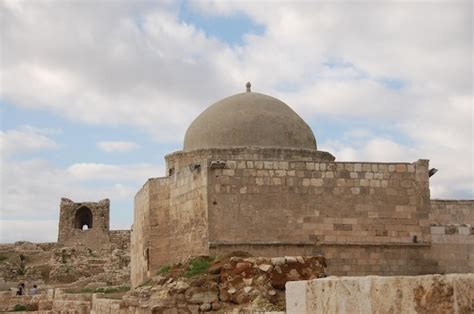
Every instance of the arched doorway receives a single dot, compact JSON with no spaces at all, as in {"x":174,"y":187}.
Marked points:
{"x":83,"y":218}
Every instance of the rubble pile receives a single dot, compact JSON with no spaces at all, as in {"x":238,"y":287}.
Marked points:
{"x":55,"y":265}
{"x":226,"y":284}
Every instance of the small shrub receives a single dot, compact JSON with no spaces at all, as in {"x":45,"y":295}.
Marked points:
{"x":146,"y":283}
{"x":164,"y":270}
{"x":19,"y":307}
{"x":3,"y":258}
{"x":84,"y":290}
{"x":198,"y":266}
{"x":117,"y":289}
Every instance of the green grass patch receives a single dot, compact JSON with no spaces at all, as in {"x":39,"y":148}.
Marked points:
{"x":164,"y":270}
{"x":198,"y":266}
{"x":105,"y":290}
{"x":3,"y":258}
{"x":146,"y":283}
{"x":83,"y":290}
{"x":19,"y":307}
{"x":113,"y":289}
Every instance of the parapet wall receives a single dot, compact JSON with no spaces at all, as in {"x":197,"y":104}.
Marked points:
{"x":403,"y":294}
{"x":446,"y":212}
{"x":180,"y":159}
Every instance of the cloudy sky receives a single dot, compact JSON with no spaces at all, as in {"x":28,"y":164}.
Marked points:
{"x":93,"y":94}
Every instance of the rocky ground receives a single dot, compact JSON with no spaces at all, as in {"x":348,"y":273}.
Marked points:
{"x":52,"y":265}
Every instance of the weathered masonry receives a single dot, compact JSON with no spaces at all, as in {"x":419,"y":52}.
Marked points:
{"x":250,"y":178}
{"x":88,"y":223}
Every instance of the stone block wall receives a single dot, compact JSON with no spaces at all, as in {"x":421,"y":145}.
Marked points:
{"x":120,"y":239}
{"x":452,"y":247}
{"x":445,"y":212}
{"x":170,"y":221}
{"x":73,"y":216}
{"x":179,"y":160}
{"x":365,"y":218}
{"x":160,"y":241}
{"x":384,"y":260}
{"x":452,"y":235}
{"x":140,"y":234}
{"x":319,"y":202}
{"x":188,"y":223}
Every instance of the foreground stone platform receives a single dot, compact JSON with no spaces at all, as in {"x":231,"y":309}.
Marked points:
{"x":453,"y":293}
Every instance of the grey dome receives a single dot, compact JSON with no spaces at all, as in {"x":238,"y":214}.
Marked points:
{"x":248,"y":120}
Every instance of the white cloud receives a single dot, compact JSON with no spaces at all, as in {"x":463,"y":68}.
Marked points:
{"x":404,"y":64}
{"x":377,"y":149}
{"x":95,"y":171}
{"x":25,"y":139}
{"x":36,"y":186}
{"x":111,"y":63}
{"x":117,"y":146}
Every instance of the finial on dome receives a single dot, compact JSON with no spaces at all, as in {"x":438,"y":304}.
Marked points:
{"x":248,"y":85}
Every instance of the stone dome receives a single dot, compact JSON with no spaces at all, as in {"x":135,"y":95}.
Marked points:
{"x":249,"y":120}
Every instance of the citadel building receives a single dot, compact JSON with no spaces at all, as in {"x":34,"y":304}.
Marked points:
{"x":250,"y":178}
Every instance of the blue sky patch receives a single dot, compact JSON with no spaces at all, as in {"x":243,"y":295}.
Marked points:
{"x":229,"y":29}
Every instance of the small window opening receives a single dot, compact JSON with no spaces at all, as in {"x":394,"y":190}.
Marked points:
{"x":83,"y":219}
{"x":147,"y":256}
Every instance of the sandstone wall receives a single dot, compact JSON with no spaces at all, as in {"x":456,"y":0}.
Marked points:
{"x":452,"y":235}
{"x":139,"y":237}
{"x":70,"y":232}
{"x":372,"y":294}
{"x":170,"y":221}
{"x":342,"y":203}
{"x":448,"y":212}
{"x":120,"y":239}
{"x":453,"y":248}
{"x":188,"y":217}
{"x":323,"y":208}
{"x":160,"y":242}
{"x":179,"y":160}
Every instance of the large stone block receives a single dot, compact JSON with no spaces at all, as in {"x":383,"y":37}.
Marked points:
{"x":373,"y":294}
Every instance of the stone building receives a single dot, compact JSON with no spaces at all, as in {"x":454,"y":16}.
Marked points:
{"x":250,"y":178}
{"x":88,"y":223}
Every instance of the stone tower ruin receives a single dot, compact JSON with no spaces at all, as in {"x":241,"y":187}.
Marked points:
{"x":86,"y":222}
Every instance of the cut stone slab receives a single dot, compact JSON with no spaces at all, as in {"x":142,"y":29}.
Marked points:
{"x":375,"y":294}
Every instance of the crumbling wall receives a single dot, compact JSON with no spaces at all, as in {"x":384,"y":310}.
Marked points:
{"x":120,"y":239}
{"x":73,"y":216}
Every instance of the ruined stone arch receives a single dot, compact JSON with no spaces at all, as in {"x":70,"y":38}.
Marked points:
{"x":83,"y":218}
